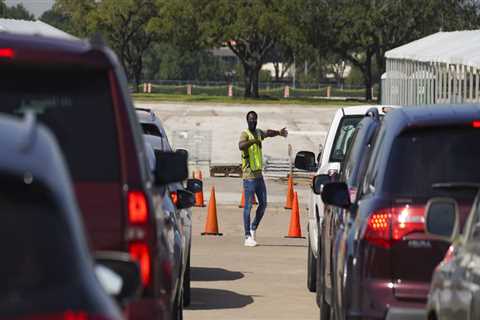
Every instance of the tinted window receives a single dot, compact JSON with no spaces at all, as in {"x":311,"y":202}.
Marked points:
{"x":421,"y":158}
{"x":151,"y":129}
{"x":343,"y":137}
{"x":35,"y":247}
{"x":77,"y":106}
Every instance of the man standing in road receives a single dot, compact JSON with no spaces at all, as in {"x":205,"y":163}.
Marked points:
{"x":252,"y":164}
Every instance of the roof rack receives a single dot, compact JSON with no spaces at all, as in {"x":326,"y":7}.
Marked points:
{"x":27,"y":141}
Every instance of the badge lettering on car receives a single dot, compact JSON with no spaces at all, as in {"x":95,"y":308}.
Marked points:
{"x":417,"y":244}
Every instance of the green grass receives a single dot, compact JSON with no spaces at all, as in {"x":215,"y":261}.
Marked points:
{"x":159,"y":97}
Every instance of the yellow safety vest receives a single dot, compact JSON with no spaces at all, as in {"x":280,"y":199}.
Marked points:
{"x":253,"y":155}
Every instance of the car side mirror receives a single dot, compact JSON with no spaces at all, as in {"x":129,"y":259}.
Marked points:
{"x":305,"y":160}
{"x":442,"y":218}
{"x":185,"y":152}
{"x":194,"y":185}
{"x":119,"y":275}
{"x":186,"y":199}
{"x":319,"y":181}
{"x":336,"y":194}
{"x":170,"y":167}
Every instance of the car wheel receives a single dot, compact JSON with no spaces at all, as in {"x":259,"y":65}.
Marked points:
{"x":322,"y":304}
{"x":311,"y":269}
{"x":186,"y":284}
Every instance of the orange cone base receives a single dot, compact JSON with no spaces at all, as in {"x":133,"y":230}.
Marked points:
{"x":212,"y":234}
{"x":291,"y":237}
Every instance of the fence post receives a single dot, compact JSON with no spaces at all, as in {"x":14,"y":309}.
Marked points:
{"x":230,"y":90}
{"x":144,"y":87}
{"x":149,"y":88}
{"x":286,"y":92}
{"x":329,"y":91}
{"x":189,"y":89}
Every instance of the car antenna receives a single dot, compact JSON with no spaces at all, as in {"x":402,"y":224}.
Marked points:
{"x":27,"y":141}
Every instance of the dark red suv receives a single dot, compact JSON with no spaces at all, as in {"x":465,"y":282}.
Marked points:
{"x":390,"y":259}
{"x":78,"y":89}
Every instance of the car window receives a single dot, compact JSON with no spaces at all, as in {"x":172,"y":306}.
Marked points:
{"x":36,"y":250}
{"x":368,"y":184}
{"x":422,"y":157}
{"x":77,"y":106}
{"x":343,"y":137}
{"x":151,"y":129}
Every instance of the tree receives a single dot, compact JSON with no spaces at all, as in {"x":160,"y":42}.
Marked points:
{"x":361,"y":31}
{"x":15,"y":12}
{"x":249,"y":28}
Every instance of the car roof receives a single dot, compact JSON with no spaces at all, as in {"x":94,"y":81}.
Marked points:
{"x":146,"y":115}
{"x":433,"y":115}
{"x":54,"y":51}
{"x":362,"y":109}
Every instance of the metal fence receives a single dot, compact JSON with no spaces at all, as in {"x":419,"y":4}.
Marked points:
{"x":198,"y":143}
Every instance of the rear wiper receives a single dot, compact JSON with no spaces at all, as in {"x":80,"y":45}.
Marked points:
{"x":456,"y":185}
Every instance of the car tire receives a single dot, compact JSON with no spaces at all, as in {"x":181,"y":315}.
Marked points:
{"x":322,"y":304}
{"x":311,"y":269}
{"x":186,"y":284}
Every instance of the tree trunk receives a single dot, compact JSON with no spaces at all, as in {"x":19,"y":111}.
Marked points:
{"x":248,"y":80}
{"x":276,"y":66}
{"x":367,"y":74}
{"x":255,"y":78}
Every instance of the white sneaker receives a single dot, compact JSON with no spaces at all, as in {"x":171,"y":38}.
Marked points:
{"x":249,"y":242}
{"x":252,"y":233}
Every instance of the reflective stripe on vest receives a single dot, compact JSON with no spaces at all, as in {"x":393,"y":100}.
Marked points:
{"x":254,"y":155}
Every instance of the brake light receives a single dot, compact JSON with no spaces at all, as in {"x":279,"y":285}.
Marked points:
{"x":7,"y":53}
{"x":137,"y":207}
{"x":67,"y":315}
{"x":476,"y":124}
{"x":174,"y":197}
{"x":387,"y":226}
{"x":140,"y":253}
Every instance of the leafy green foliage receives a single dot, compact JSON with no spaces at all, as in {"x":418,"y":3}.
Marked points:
{"x":15,"y":12}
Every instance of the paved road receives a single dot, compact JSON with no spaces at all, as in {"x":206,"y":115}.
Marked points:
{"x":230,"y":281}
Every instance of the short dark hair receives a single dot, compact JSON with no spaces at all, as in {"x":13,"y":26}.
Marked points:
{"x":252,"y":112}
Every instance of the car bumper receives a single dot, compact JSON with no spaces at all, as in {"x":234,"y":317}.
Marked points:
{"x":147,"y":309}
{"x":406,"y":314}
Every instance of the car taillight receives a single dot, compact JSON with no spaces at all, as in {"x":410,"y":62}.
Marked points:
{"x":174,"y":197}
{"x":66,"y":315}
{"x":137,"y":207}
{"x":386,"y":226}
{"x":140,"y":253}
{"x":7,"y":53}
{"x":476,"y":124}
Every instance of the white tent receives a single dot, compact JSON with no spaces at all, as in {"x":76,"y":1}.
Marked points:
{"x":440,"y":68}
{"x":34,"y":28}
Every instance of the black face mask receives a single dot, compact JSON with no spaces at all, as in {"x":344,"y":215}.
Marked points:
{"x":252,"y":125}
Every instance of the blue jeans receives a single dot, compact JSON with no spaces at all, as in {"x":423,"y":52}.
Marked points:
{"x":251,"y":187}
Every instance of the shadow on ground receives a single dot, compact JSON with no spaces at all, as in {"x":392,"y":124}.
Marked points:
{"x":209,"y":299}
{"x":214,"y":274}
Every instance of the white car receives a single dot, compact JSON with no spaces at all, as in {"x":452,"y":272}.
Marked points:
{"x":154,"y":134}
{"x":329,"y":160}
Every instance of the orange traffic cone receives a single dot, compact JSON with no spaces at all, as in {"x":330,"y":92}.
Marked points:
{"x":211,"y":225}
{"x":199,"y":202}
{"x":289,"y":200}
{"x":242,"y":202}
{"x":294,"y":230}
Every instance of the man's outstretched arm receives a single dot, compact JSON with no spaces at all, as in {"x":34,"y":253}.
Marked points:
{"x":273,"y":133}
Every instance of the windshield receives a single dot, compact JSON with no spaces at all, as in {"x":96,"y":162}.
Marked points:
{"x":343,"y":137}
{"x":423,"y":157}
{"x":77,"y":106}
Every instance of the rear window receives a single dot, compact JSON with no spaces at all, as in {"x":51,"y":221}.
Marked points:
{"x":421,"y":158}
{"x":36,"y":250}
{"x":151,"y":129}
{"x":76,"y":105}
{"x":343,"y":137}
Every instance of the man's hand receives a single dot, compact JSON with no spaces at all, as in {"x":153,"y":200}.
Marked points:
{"x":284,"y":132}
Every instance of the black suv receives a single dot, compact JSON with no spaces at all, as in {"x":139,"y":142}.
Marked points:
{"x":47,"y":271}
{"x":417,"y":149}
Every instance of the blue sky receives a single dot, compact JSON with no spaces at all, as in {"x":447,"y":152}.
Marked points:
{"x":37,"y":7}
